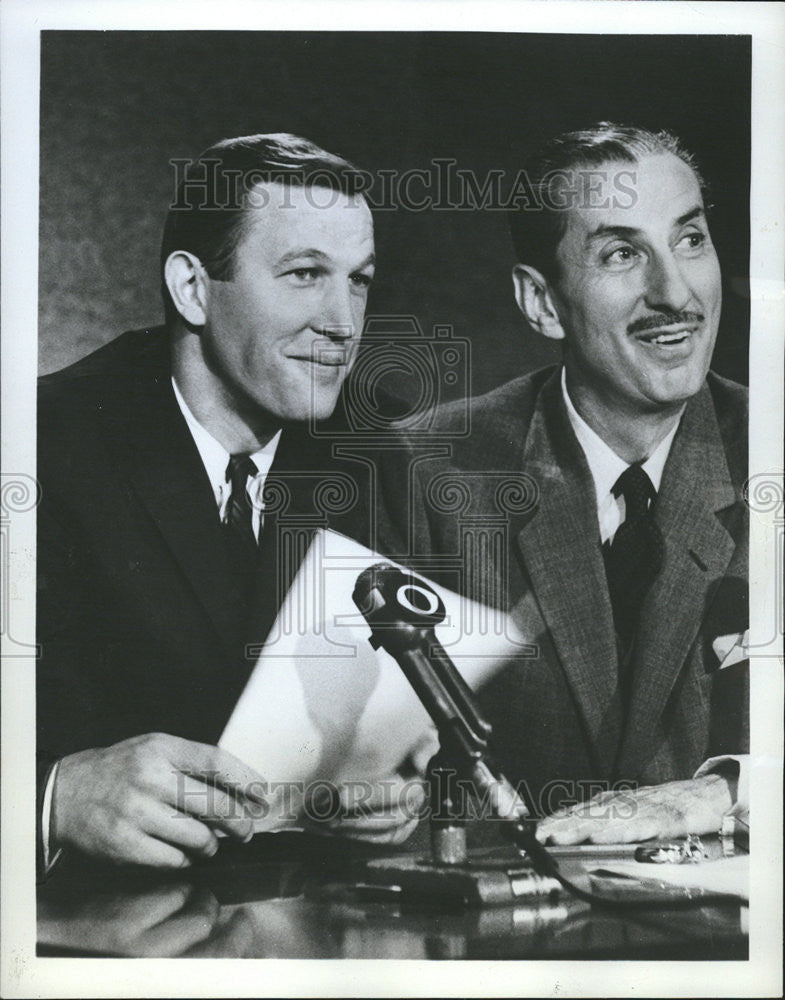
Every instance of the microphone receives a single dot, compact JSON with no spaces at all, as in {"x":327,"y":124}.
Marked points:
{"x":402,"y":611}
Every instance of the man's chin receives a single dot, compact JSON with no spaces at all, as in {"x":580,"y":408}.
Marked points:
{"x":671,"y":393}
{"x":674,"y":382}
{"x":317,"y":410}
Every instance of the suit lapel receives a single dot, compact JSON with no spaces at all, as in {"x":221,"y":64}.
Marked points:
{"x":560,"y":546}
{"x":166,"y":474}
{"x":695,"y":488}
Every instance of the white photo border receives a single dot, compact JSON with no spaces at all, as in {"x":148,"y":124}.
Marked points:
{"x":24,"y":974}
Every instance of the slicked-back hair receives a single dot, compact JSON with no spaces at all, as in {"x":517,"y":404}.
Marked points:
{"x":537,"y":229}
{"x":215,"y":197}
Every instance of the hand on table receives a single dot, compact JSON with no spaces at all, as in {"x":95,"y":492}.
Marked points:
{"x":384,"y":811}
{"x":673,"y":809}
{"x":378,"y":812}
{"x":388,"y":816}
{"x":154,"y":800}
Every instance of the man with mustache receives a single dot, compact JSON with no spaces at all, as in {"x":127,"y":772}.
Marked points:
{"x":630,"y":570}
{"x":156,"y":578}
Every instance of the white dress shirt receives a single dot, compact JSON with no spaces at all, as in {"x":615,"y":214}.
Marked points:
{"x":215,"y":459}
{"x":606,"y":466}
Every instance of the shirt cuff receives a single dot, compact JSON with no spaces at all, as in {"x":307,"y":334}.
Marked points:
{"x":50,"y":859}
{"x":741,"y":807}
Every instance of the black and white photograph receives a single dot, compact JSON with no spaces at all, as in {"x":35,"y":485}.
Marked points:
{"x":392,"y":499}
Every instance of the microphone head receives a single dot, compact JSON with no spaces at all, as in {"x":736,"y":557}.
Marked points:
{"x":390,"y":597}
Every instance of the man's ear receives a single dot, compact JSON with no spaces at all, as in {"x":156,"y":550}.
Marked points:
{"x":535,"y":301}
{"x":187,"y":280}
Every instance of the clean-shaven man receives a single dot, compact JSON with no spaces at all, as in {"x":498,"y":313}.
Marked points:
{"x":155,"y":571}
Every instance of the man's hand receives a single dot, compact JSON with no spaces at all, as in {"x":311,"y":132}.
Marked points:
{"x":673,"y":809}
{"x":378,"y":812}
{"x":154,"y":800}
{"x":384,"y":811}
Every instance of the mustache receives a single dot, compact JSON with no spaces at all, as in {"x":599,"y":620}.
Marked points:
{"x":663,"y":319}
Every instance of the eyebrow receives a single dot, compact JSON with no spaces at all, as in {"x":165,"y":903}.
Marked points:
{"x":320,"y":255}
{"x":603,"y":230}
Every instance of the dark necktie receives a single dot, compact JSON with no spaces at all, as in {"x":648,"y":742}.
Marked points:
{"x":634,"y":558}
{"x":239,"y":511}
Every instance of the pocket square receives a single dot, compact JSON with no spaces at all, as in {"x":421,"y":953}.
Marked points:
{"x":732,"y":648}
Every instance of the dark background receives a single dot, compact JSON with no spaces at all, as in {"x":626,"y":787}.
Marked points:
{"x":117,"y":106}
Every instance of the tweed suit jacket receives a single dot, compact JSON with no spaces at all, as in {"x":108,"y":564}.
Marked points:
{"x":561,"y":729}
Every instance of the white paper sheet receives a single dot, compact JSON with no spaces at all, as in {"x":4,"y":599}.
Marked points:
{"x":729,"y":876}
{"x":321,"y":704}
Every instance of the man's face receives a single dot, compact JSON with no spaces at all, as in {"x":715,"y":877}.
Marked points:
{"x":638,"y":290}
{"x":282,"y":334}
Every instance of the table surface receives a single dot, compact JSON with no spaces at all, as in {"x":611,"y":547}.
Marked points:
{"x":301,"y":896}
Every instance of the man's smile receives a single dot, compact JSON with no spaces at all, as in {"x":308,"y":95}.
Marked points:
{"x":669,"y":336}
{"x":326,"y":355}
{"x":326,"y":361}
{"x":673,"y":344}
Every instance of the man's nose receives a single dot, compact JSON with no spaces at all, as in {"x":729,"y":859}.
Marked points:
{"x":666,"y":285}
{"x":336,"y":319}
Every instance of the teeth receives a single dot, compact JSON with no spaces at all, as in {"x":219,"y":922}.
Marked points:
{"x":668,"y":338}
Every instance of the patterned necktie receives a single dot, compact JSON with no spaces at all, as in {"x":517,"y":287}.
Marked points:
{"x":634,"y":558}
{"x":239,"y":510}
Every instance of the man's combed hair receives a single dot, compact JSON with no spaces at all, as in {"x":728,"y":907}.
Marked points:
{"x":537,"y":230}
{"x":215,"y":196}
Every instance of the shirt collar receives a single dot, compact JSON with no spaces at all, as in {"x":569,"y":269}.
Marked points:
{"x":604,"y":464}
{"x":215,"y":457}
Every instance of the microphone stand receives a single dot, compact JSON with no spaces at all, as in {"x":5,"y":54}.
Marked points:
{"x":464,"y":757}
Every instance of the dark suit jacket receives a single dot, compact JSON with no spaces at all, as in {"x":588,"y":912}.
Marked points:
{"x":142,"y":623}
{"x":558,"y":717}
